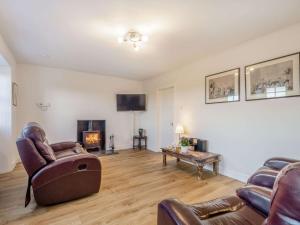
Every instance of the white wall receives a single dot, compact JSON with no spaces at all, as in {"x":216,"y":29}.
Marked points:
{"x":74,"y":96}
{"x":8,"y":152}
{"x":245,"y":133}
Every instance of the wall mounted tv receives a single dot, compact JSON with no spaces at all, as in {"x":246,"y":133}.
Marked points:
{"x":131,"y":102}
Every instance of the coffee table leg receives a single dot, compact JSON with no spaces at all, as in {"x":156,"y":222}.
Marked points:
{"x":216,"y":167}
{"x":164,"y":159}
{"x":178,"y":160}
{"x":200,"y":171}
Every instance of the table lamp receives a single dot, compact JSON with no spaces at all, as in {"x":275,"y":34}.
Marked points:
{"x":179,"y":130}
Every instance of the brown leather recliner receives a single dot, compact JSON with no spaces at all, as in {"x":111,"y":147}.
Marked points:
{"x":250,"y":207}
{"x":58,"y":172}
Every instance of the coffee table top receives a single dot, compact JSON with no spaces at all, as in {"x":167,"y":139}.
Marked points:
{"x":191,"y":155}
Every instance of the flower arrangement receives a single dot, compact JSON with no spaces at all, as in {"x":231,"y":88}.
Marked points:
{"x":184,"y":142}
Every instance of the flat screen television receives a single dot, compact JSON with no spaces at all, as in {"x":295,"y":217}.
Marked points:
{"x":131,"y":102}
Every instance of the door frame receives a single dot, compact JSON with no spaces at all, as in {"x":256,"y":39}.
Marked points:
{"x":158,"y":125}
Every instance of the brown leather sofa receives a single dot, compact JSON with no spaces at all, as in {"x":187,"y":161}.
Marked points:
{"x":266,"y":175}
{"x":57,"y":172}
{"x":253,"y":205}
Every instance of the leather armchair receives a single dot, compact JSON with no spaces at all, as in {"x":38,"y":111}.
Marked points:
{"x":266,"y":175}
{"x":253,"y":205}
{"x":59,"y":172}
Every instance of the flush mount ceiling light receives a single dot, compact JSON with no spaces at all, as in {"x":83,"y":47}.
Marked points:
{"x":135,"y":38}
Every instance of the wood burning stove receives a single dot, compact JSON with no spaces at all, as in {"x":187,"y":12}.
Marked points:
{"x":91,"y":134}
{"x":91,"y":139}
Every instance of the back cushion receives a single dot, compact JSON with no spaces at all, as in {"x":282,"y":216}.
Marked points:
{"x":46,"y":151}
{"x":35,"y":132}
{"x":258,"y":197}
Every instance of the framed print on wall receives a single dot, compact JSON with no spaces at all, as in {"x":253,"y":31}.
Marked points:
{"x":275,"y":78}
{"x":223,"y":87}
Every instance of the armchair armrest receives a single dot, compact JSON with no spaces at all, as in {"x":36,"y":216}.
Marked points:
{"x":63,"y":145}
{"x":257,"y":197}
{"x":64,"y":167}
{"x":278,"y":163}
{"x":217,"y":206}
{"x":173,"y":212}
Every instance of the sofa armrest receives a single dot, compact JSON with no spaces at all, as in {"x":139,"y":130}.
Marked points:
{"x":63,"y":146}
{"x":257,"y":197}
{"x":64,"y":167}
{"x":278,"y":163}
{"x":263,"y":178}
{"x":217,"y":206}
{"x":173,"y":212}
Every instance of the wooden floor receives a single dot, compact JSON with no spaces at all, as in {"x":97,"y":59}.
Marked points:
{"x":133,"y":183}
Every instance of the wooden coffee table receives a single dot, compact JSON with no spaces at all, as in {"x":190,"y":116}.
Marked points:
{"x":199,"y":159}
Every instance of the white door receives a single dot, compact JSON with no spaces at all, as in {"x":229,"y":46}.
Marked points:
{"x":166,"y":117}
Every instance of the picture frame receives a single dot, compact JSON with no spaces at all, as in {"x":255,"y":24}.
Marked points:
{"x":14,"y":94}
{"x":223,"y":87}
{"x":274,"y":78}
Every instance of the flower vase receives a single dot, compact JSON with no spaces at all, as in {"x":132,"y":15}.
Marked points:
{"x":184,"y":149}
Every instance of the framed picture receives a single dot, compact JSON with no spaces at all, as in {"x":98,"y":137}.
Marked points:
{"x":223,"y":87}
{"x":275,"y":78}
{"x":14,"y":94}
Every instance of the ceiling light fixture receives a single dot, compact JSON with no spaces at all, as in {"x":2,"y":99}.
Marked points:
{"x":135,"y":38}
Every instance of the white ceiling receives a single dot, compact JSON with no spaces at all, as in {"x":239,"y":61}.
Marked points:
{"x":82,"y":35}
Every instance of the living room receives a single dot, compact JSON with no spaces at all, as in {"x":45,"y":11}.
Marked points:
{"x":151,"y":77}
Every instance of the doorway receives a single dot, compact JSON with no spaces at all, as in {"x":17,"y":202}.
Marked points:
{"x":166,"y":117}
{"x":6,"y":155}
